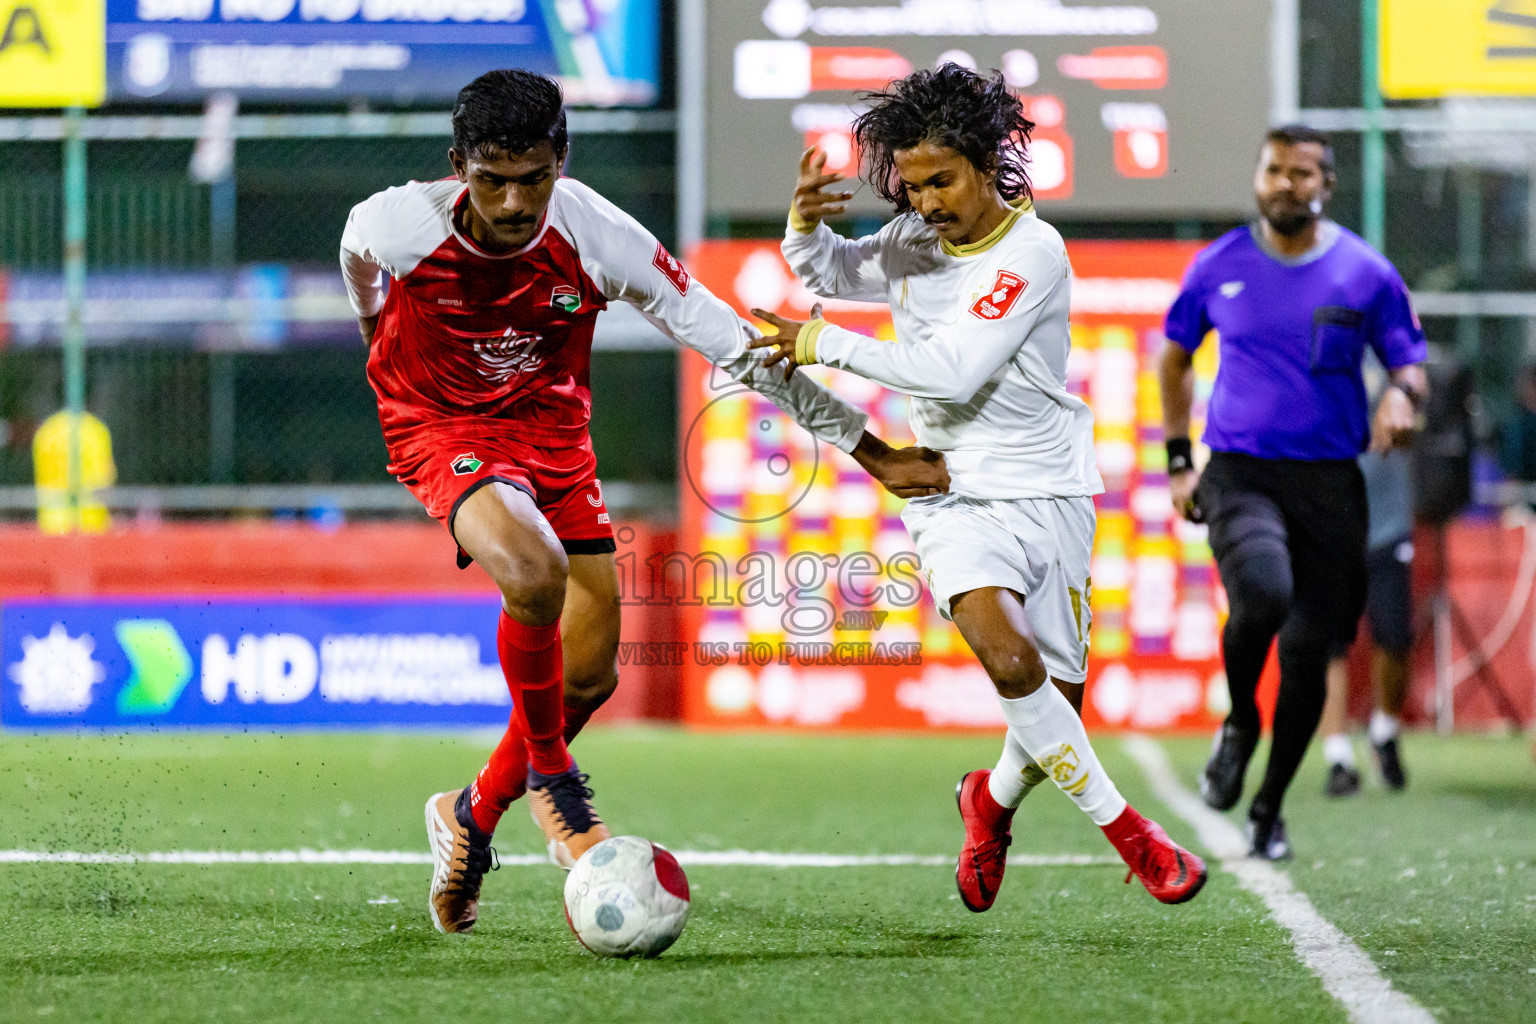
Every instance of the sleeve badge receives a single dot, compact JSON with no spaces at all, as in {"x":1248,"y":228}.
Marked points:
{"x":996,"y":303}
{"x":671,"y":269}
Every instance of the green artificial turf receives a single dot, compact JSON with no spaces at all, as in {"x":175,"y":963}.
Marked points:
{"x":1437,"y":883}
{"x":148,"y":942}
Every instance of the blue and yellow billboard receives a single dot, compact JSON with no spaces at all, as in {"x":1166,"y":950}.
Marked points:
{"x":392,"y":51}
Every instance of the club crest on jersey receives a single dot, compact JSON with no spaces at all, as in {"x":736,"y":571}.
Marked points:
{"x":671,"y":269}
{"x":1005,"y":292}
{"x":509,"y":355}
{"x":466,"y":464}
{"x":566,"y":298}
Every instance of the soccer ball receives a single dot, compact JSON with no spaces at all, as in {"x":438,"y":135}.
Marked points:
{"x":626,"y":897}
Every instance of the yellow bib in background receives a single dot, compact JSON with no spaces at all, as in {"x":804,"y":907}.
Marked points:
{"x":50,"y":460}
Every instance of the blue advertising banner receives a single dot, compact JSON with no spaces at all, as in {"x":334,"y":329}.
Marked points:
{"x":605,"y":52}
{"x":216,"y":663}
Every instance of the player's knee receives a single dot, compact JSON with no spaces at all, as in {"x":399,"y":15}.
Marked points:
{"x":532,"y":583}
{"x":1262,"y":593}
{"x":591,"y":690}
{"x":1014,"y":666}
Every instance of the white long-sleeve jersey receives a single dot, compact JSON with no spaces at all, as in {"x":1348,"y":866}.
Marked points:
{"x":470,"y":339}
{"x":982,"y":338}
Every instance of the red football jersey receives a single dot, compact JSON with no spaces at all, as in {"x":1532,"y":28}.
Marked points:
{"x":468,"y":340}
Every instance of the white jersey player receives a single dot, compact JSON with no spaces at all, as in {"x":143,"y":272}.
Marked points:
{"x":979,"y":289}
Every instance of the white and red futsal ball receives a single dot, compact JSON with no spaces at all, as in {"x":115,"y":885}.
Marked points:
{"x":627,"y":897}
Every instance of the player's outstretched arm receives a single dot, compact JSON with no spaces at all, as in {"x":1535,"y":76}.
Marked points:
{"x":949,"y":366}
{"x":828,"y":264}
{"x":981,"y":334}
{"x":627,"y":263}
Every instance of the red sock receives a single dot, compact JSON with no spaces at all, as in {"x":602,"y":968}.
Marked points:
{"x":530,"y":659}
{"x":503,"y":779}
{"x":575,"y":719}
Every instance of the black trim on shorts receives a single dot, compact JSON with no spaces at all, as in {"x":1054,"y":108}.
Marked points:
{"x":592,"y":546}
{"x":464,"y":559}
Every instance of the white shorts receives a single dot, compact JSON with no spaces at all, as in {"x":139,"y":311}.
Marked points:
{"x":1040,"y":548}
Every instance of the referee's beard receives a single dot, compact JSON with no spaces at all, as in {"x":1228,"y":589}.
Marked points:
{"x":1288,"y":215}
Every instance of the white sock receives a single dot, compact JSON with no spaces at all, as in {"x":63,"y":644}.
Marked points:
{"x":1383,"y":727}
{"x":1052,"y":734}
{"x":1338,"y":750}
{"x":1016,"y":773}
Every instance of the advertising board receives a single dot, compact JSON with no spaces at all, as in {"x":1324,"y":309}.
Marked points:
{"x":395,"y":51}
{"x":1153,"y":109}
{"x":802,"y":600}
{"x":1430,"y":48}
{"x":51,"y":53}
{"x":114,"y":663}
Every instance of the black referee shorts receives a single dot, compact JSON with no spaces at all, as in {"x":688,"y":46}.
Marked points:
{"x":1310,"y":514}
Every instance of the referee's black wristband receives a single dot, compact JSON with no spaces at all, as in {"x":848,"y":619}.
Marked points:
{"x":1181,"y":455}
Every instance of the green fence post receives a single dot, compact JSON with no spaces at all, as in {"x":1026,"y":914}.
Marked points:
{"x":1373,"y":158}
{"x":74,"y":295}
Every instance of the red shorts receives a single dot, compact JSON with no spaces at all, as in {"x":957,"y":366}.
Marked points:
{"x":442,"y":470}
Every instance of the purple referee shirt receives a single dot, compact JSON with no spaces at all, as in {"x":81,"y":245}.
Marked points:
{"x":1293,"y":332}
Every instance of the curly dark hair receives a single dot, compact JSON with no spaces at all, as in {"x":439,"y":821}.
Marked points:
{"x":510,"y":110}
{"x":951,"y":106}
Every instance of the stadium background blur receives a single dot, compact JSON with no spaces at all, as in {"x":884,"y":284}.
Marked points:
{"x":248,"y":495}
{"x":218,"y":350}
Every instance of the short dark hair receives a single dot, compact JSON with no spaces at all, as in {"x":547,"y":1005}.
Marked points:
{"x":951,"y":106}
{"x":510,"y":110}
{"x":1296,"y":134}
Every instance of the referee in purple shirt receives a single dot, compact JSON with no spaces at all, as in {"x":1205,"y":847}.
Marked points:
{"x":1295,"y":299}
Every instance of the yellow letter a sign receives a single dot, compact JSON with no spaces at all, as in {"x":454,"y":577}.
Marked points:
{"x":53,"y":53}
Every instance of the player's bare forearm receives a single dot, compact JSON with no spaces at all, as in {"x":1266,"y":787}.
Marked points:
{"x":1176,"y":374}
{"x":905,"y":472}
{"x":1176,"y":377}
{"x":366,"y":325}
{"x":1396,"y":419}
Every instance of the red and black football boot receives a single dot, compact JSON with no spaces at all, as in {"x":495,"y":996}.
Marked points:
{"x":1170,"y":872}
{"x":984,"y":856}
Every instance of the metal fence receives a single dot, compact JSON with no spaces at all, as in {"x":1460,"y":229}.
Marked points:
{"x":220,"y":350}
{"x":219,"y":346}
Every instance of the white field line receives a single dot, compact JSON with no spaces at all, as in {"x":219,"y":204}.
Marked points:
{"x":690,"y":858}
{"x":1347,"y":973}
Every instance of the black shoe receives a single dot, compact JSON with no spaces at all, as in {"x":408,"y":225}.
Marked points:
{"x":1391,"y":765}
{"x":1221,"y":784}
{"x":1266,"y":839}
{"x":1342,"y":781}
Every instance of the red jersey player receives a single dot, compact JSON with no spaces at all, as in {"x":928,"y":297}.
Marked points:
{"x":479,"y":356}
